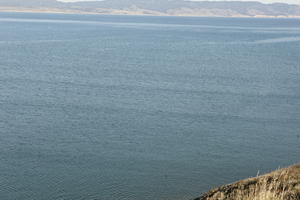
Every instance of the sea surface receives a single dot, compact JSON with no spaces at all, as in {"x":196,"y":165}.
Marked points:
{"x":144,"y":108}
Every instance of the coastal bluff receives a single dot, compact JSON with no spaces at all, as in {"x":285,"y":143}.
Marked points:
{"x":282,"y":184}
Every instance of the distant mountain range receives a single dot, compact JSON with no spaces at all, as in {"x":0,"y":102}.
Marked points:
{"x":157,"y":7}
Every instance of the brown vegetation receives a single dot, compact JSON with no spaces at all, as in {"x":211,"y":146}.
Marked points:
{"x":283,"y":184}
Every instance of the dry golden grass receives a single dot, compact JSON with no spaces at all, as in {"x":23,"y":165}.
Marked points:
{"x":283,"y":184}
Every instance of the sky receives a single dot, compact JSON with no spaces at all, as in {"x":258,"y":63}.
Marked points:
{"x":263,"y":1}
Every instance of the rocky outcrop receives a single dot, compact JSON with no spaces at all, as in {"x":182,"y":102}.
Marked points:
{"x":283,"y":184}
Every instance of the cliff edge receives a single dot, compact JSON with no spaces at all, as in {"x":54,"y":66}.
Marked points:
{"x":283,"y":184}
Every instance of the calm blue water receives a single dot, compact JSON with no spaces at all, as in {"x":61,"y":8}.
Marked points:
{"x":144,"y":108}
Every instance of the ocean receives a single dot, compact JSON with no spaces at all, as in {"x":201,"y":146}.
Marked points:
{"x":96,"y":107}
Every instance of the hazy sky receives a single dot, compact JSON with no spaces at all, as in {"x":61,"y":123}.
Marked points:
{"x":263,"y":1}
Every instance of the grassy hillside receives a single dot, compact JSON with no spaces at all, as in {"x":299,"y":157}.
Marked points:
{"x":283,"y":184}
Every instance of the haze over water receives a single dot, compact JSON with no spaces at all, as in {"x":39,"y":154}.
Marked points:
{"x":144,"y":108}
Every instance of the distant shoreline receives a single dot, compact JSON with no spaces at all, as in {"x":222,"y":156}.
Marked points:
{"x":129,"y":13}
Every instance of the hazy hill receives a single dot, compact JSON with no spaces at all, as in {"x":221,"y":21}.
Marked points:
{"x":29,"y":3}
{"x":160,"y":7}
